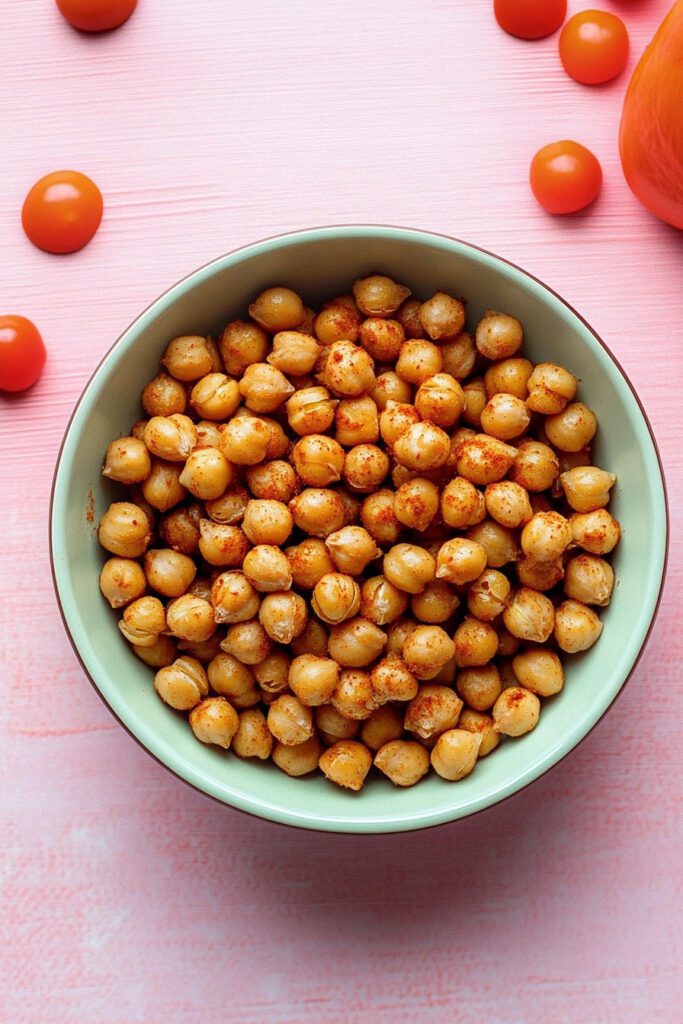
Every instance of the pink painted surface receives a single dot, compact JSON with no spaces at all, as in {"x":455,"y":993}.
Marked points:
{"x":126,"y":897}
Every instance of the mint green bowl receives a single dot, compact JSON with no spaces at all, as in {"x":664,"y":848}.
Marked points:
{"x":319,"y":263}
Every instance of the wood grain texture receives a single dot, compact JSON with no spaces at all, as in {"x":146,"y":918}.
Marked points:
{"x":126,"y":897}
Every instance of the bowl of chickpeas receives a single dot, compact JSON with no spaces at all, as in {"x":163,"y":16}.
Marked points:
{"x":359,"y":529}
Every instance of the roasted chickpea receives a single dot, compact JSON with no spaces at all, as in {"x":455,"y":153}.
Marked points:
{"x":536,"y":467}
{"x":354,"y":697}
{"x":382,"y":338}
{"x":546,"y":536}
{"x":290,"y":721}
{"x":274,"y":481}
{"x":365,"y":468}
{"x":159,"y":654}
{"x":348,"y":370}
{"x":318,"y":460}
{"x":476,"y":643}
{"x":396,"y":418}
{"x":267,"y":568}
{"x":384,"y":725}
{"x":510,"y":377}
{"x":272,"y":674}
{"x":317,"y":511}
{"x":551,"y":387}
{"x":460,"y":560}
{"x":587,"y":488}
{"x":508,"y":503}
{"x":442,"y":316}
{"x":277,"y":309}
{"x":381,"y":601}
{"x":190,"y":618}
{"x":478,"y":722}
{"x":143,"y":620}
{"x":127,"y":461}
{"x":441,"y":400}
{"x":312,"y":639}
{"x":390,"y":388}
{"x":539,"y":575}
{"x":352,"y":548}
{"x":215,"y":396}
{"x":437,"y":603}
{"x":356,"y":421}
{"x":164,"y":396}
{"x":283,"y":615}
{"x":409,"y":567}
{"x":179,"y":529}
{"x":422,"y":447}
{"x":122,"y":581}
{"x":332,"y":725}
{"x":299,"y":759}
{"x":309,"y":561}
{"x":215,"y":721}
{"x":264,"y":388}
{"x":507,"y":643}
{"x":182,"y":684}
{"x":242,"y":344}
{"x":233,"y":598}
{"x":169,"y":572}
{"x":416,"y":503}
{"x":539,"y":671}
{"x":338,"y":323}
{"x":483,"y":459}
{"x":505,"y":417}
{"x":498,"y":335}
{"x":124,"y":530}
{"x":378,"y":518}
{"x":432,"y":711}
{"x":455,"y":754}
{"x":230,"y":507}
{"x":572,"y":429}
{"x":313,"y":680}
{"x":475,"y":402}
{"x":597,"y":532}
{"x":203,"y":650}
{"x":427,"y":650}
{"x":188,"y":357}
{"x":356,"y":642}
{"x":245,"y":440}
{"x":346,"y":763}
{"x":530,"y":616}
{"x":409,"y":318}
{"x":379,"y":295}
{"x":418,"y":360}
{"x":516,"y":711}
{"x":230,"y":678}
{"x":206,"y":473}
{"x":294,"y":353}
{"x":488,"y":595}
{"x":577,"y":627}
{"x":252,"y":738}
{"x":479,"y":687}
{"x":498,"y":542}
{"x":404,"y":762}
{"x":311,"y":411}
{"x":247,"y":641}
{"x":162,"y":488}
{"x":462,"y":505}
{"x":267,"y":522}
{"x":459,"y":356}
{"x":336,"y":597}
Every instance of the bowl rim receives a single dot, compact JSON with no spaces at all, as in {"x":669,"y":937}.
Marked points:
{"x":359,"y":826}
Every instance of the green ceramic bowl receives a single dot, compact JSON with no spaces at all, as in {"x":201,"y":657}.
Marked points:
{"x":320,"y":263}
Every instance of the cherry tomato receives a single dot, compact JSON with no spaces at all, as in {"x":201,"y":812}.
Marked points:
{"x":96,"y":15}
{"x":22,"y":353}
{"x":530,"y":19}
{"x":62,"y":211}
{"x":594,"y":47}
{"x":565,"y":177}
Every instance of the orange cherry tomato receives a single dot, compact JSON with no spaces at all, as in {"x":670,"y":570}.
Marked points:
{"x":62,"y":211}
{"x":96,"y":15}
{"x":530,"y":19}
{"x":565,"y":177}
{"x":594,"y":47}
{"x":22,"y":353}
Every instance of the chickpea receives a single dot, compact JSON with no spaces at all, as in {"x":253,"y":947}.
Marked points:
{"x":546,"y":536}
{"x":455,"y":754}
{"x":233,"y":598}
{"x":404,"y":762}
{"x":384,"y":725}
{"x":206,"y":474}
{"x":409,"y":318}
{"x":539,"y":575}
{"x":264,"y":388}
{"x":487,"y":597}
{"x":277,"y":309}
{"x":478,"y":722}
{"x":215,"y":396}
{"x":318,"y":460}
{"x":159,"y":654}
{"x":505,"y":417}
{"x":356,"y":421}
{"x":356,"y":642}
{"x":317,"y":511}
{"x":162,"y":488}
{"x":516,"y":711}
{"x":441,"y":400}
{"x":312,"y":639}
{"x":432,"y":711}
{"x":390,"y":388}
{"x":127,"y":461}
{"x":299,"y":759}
{"x":442,"y":316}
{"x":498,"y":542}
{"x":418,"y":360}
{"x":536,"y":467}
{"x":484,"y":460}
{"x":252,"y":738}
{"x":229,"y":509}
{"x":336,"y":597}
{"x":354,"y":697}
{"x":475,"y":402}
{"x":510,"y":377}
{"x":122,"y":581}
{"x":476,"y":643}
{"x":248,"y":642}
{"x":278,"y":443}
{"x":437,"y":603}
{"x":416,"y":503}
{"x":290,"y":721}
{"x":124,"y":530}
{"x":351,"y":504}
{"x":381,"y":602}
{"x":539,"y":671}
{"x":267,"y":568}
{"x":204,"y":650}
{"x":551,"y":387}
{"x":507,"y":643}
{"x":311,"y":411}
{"x":208,"y":434}
{"x":164,"y":396}
{"x":244,"y":440}
{"x":422,"y":447}
{"x":346,"y":763}
{"x":572,"y":429}
{"x":378,"y":518}
{"x":365,"y":468}
{"x":460,"y":561}
{"x":338,"y":323}
{"x":274,"y":481}
{"x":349,"y":370}
{"x":267,"y":522}
{"x":309,"y":562}
{"x":396,"y":418}
{"x":230,"y":678}
{"x":182,"y":684}
{"x":597,"y":532}
{"x":169,"y":572}
{"x":508,"y":503}
{"x":530,"y":616}
{"x":462,"y":504}
{"x":180,"y":529}
{"x":427,"y":650}
{"x":283,"y":615}
{"x":242,"y":344}
{"x":223,"y":545}
{"x":332,"y":725}
{"x":409,"y":567}
{"x":312,"y":679}
{"x":587,"y":488}
{"x":188,"y":357}
{"x":498,"y":335}
{"x":459,"y":356}
{"x":379,"y":295}
{"x":479,"y":687}
{"x":382,"y":338}
{"x":352,"y":549}
{"x":190,"y":618}
{"x":272,"y":674}
{"x":143,"y":620}
{"x":577,"y":627}
{"x":215,"y":721}
{"x":294,"y":353}
{"x":541,"y":503}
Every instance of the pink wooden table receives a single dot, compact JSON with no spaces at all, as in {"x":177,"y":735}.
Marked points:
{"x":130,"y":899}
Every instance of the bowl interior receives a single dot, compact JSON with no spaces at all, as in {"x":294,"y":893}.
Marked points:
{"x":319,"y":264}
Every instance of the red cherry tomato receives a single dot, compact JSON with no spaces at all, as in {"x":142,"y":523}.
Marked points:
{"x":62,"y":211}
{"x":565,"y":177}
{"x":22,"y":353}
{"x":96,"y":15}
{"x":594,"y":47}
{"x":530,"y":19}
